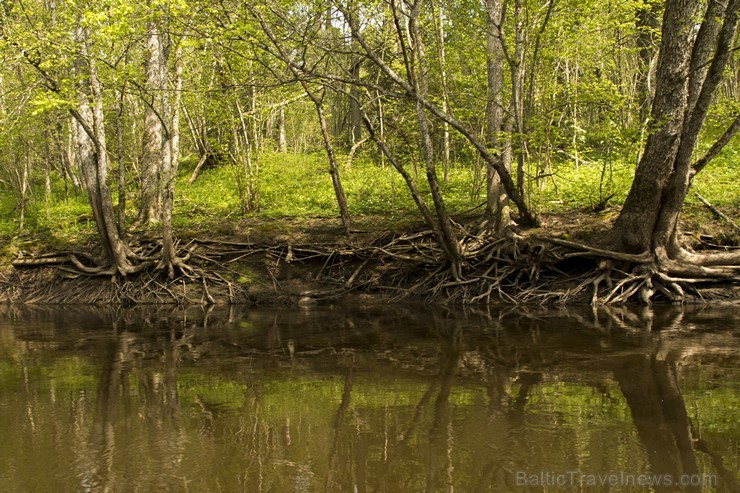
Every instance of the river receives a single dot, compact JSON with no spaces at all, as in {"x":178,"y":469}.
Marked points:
{"x":369,"y":399}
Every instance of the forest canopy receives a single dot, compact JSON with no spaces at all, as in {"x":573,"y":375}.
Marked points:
{"x":142,"y":115}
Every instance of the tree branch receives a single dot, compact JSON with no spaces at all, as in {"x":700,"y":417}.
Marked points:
{"x":527,"y":218}
{"x":716,"y":148}
{"x":716,"y":211}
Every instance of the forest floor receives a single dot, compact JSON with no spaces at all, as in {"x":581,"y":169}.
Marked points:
{"x":311,"y":260}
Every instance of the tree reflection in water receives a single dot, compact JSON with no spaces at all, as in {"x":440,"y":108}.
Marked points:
{"x":364,"y":399}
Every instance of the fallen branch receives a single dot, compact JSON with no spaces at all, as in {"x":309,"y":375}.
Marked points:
{"x":717,"y":212}
{"x":352,"y":151}
{"x":40,"y":261}
{"x":198,"y":166}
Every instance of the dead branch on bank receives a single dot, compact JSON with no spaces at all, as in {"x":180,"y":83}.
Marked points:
{"x":717,"y":212}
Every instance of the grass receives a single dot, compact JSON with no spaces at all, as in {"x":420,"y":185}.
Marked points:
{"x":299,"y":186}
{"x":719,"y":183}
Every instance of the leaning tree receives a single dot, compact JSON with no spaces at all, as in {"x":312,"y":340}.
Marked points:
{"x":696,"y":44}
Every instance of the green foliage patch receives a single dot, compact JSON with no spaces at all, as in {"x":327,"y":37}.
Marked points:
{"x":300,"y":186}
{"x":719,"y":182}
{"x":593,"y":186}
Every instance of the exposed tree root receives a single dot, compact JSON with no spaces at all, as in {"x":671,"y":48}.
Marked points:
{"x":150,"y":279}
{"x":514,"y":269}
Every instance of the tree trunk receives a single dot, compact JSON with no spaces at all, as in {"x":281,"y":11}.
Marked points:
{"x":171,"y":155}
{"x":636,"y":223}
{"x":711,"y":53}
{"x":121,"y":168}
{"x":47,"y":174}
{"x":649,"y":218}
{"x":417,"y":75}
{"x":354,"y":103}
{"x":22,"y":189}
{"x":355,"y":113}
{"x":93,"y":157}
{"x":724,"y":139}
{"x":442,"y":55}
{"x":66,"y":149}
{"x":517,"y":66}
{"x":150,"y":206}
{"x":647,"y":24}
{"x":282,"y":140}
{"x":496,"y":215}
{"x":336,"y":180}
{"x":249,"y":190}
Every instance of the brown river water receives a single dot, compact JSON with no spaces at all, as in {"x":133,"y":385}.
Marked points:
{"x":391,"y":398}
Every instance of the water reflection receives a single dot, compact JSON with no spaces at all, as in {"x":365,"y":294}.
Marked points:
{"x":382,"y":399}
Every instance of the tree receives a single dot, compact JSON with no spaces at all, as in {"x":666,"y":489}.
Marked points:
{"x":690,"y":67}
{"x":85,"y":95}
{"x":171,"y":155}
{"x":496,"y":203}
{"x":152,"y":159}
{"x":648,"y":25}
{"x":533,"y":81}
{"x":416,"y":73}
{"x":316,"y":96}
{"x":409,"y":91}
{"x":93,"y":156}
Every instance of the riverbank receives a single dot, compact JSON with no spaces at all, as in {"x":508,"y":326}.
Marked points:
{"x":311,"y":260}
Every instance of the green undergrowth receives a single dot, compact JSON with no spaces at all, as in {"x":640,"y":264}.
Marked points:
{"x":299,"y":186}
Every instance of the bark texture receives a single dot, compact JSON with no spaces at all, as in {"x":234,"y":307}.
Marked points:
{"x":690,"y":65}
{"x":497,"y":207}
{"x":92,"y":155}
{"x":153,"y":141}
